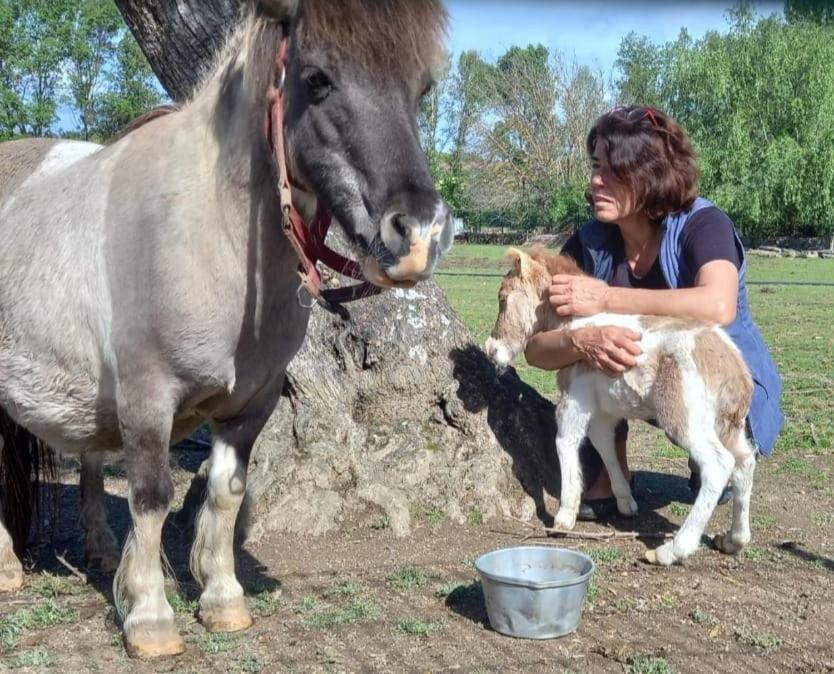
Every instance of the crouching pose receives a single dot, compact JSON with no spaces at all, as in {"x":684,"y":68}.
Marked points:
{"x":690,"y":379}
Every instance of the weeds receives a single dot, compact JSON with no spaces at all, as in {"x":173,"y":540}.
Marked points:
{"x":416,"y":627}
{"x":34,"y":659}
{"x":353,"y":612}
{"x":38,"y":617}
{"x":646,"y":664}
{"x":217,"y":642}
{"x":407,"y":578}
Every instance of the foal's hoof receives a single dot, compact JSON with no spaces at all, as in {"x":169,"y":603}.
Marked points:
{"x":232,"y":616}
{"x":153,"y":641}
{"x":11,"y":578}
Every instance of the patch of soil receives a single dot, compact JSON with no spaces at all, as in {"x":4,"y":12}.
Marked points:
{"x":343,"y":603}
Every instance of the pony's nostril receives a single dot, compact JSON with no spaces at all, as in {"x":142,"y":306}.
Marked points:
{"x":400,"y":224}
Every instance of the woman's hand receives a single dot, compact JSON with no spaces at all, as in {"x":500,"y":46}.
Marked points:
{"x":578,"y":295}
{"x":610,"y":348}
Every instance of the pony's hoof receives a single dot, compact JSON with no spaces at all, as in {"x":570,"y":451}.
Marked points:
{"x":153,"y":641}
{"x":651,"y":557}
{"x":725,"y":544}
{"x":232,"y":616}
{"x":11,"y":578}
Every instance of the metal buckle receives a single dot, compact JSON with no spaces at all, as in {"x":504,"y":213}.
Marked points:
{"x":298,"y":292}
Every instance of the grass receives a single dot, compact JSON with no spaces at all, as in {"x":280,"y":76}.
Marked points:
{"x":457,"y":592}
{"x":758,"y":640}
{"x":51,"y":586}
{"x":646,"y":664}
{"x":758,"y":554}
{"x":356,"y":610}
{"x":248,"y":664}
{"x":605,"y":556}
{"x":181,"y":604}
{"x":679,"y":509}
{"x":406,"y":578}
{"x":794,"y":320}
{"x":36,"y":658}
{"x":416,"y":628}
{"x":475,"y":517}
{"x":381,"y":523}
{"x":35,"y":618}
{"x":347,"y":588}
{"x":217,"y":642}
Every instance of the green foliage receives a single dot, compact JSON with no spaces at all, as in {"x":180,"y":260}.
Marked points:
{"x":758,"y":102}
{"x":416,"y":627}
{"x":357,"y":610}
{"x":36,"y":658}
{"x":77,"y":54}
{"x":407,"y":577}
{"x":37,"y":617}
{"x":217,"y":642}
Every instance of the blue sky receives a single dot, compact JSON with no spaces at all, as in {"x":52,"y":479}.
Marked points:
{"x":590,"y":30}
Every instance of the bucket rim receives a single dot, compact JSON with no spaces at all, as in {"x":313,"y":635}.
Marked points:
{"x":536,"y":585}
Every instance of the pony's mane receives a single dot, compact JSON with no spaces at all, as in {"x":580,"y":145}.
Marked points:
{"x":387,"y":37}
{"x":141,"y":120}
{"x":555,"y":263}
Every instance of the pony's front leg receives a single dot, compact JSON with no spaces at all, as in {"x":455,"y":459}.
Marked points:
{"x":572,"y":418}
{"x":222,"y":605}
{"x":101,"y":549}
{"x":145,"y":418}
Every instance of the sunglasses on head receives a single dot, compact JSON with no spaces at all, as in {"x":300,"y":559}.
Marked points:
{"x":636,"y":115}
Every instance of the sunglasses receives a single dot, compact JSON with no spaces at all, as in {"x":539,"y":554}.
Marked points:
{"x":636,"y":115}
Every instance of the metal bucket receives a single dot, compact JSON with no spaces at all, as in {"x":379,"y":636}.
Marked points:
{"x":534,"y":592}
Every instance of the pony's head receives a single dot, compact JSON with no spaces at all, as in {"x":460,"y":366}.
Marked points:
{"x":355,"y":74}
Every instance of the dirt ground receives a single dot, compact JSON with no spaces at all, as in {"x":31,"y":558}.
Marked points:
{"x":366,"y":601}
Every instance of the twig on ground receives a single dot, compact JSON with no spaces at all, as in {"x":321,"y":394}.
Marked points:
{"x":550,"y":532}
{"x":75,"y":572}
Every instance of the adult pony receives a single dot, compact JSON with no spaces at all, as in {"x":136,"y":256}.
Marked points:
{"x":147,"y":286}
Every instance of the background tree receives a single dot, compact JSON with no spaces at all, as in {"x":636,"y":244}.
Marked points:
{"x":96,"y":25}
{"x":34,"y":42}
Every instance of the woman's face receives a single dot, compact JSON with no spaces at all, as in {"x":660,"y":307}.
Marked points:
{"x":613,"y":201}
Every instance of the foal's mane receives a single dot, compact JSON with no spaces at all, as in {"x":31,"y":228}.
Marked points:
{"x":555,"y":263}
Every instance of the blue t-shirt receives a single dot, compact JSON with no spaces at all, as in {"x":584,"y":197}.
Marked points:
{"x":708,"y":235}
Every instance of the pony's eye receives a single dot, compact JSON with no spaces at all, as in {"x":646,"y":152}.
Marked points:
{"x":318,"y":84}
{"x":427,"y":90}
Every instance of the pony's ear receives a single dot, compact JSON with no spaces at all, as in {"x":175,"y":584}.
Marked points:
{"x":520,"y":261}
{"x":279,"y":10}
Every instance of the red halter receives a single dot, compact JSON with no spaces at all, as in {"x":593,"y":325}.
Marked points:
{"x":308,"y":242}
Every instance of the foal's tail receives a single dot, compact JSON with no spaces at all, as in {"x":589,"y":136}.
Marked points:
{"x":23,"y":460}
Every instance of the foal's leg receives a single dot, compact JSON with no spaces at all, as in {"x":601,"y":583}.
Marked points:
{"x":601,"y":433}
{"x":100,"y":546}
{"x":742,"y":482}
{"x":572,"y":418}
{"x":11,"y":570}
{"x":145,"y":417}
{"x":715,"y":464}
{"x":222,"y":606}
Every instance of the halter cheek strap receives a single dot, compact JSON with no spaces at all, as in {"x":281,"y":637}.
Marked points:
{"x":308,"y":242}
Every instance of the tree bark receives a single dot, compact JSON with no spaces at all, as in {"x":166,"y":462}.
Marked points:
{"x":387,"y":416}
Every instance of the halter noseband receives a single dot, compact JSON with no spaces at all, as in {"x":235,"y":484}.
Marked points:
{"x":308,"y":242}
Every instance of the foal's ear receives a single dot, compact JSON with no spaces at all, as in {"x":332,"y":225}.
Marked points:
{"x":279,"y":10}
{"x":520,"y":261}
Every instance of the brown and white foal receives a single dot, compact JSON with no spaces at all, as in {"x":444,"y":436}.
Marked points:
{"x":690,"y":379}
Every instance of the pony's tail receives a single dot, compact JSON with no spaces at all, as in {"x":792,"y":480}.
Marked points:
{"x":24,"y":459}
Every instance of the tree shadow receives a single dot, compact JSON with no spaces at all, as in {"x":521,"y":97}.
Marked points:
{"x":522,"y":421}
{"x":60,"y":533}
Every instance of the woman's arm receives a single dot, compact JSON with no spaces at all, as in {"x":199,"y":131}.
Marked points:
{"x":612,"y":349}
{"x":712,"y":299}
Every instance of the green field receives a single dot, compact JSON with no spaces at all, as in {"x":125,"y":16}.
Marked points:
{"x":797,"y":322}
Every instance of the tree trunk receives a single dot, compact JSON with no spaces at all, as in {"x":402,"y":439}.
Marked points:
{"x":391,"y":414}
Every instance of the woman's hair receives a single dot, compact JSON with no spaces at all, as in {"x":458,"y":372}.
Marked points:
{"x":650,"y":154}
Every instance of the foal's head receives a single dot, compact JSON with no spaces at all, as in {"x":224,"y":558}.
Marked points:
{"x":356,"y":73}
{"x":523,"y":307}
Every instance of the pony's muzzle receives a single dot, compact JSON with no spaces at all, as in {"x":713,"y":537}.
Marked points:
{"x":416,"y":245}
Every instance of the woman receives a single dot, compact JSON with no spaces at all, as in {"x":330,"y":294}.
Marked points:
{"x":655,"y":247}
